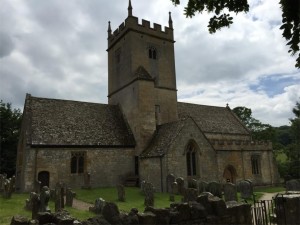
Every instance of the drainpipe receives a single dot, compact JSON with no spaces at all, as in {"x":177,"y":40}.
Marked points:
{"x":161,"y":175}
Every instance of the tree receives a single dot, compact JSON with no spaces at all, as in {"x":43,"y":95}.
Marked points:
{"x":10,"y":122}
{"x":259,"y":130}
{"x":222,"y":10}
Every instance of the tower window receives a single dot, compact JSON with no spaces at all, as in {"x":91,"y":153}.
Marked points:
{"x":77,"y":162}
{"x":152,"y":53}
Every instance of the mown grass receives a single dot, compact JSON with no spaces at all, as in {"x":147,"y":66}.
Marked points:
{"x":134,"y":198}
{"x":269,"y":189}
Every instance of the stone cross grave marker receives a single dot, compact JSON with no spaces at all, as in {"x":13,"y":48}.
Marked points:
{"x":230,"y":192}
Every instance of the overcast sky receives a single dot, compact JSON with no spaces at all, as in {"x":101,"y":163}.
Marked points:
{"x":57,"y":49}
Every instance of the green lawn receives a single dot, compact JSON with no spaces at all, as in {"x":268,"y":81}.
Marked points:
{"x":134,"y":198}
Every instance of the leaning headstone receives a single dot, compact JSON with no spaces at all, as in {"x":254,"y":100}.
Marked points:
{"x":215,"y":188}
{"x":246,"y":189}
{"x":149,"y":194}
{"x":170,"y":181}
{"x":190,"y":195}
{"x":292,"y":185}
{"x":87,"y":181}
{"x":230,"y":192}
{"x":180,"y":183}
{"x":121,"y":192}
{"x":70,"y":195}
{"x":202,"y":187}
{"x":44,"y":199}
{"x":98,"y":206}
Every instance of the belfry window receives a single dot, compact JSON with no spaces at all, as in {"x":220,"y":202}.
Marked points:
{"x":77,"y":162}
{"x":152,"y":53}
{"x":255,"y":164}
{"x":191,"y":160}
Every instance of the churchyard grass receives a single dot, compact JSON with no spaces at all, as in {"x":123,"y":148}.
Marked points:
{"x":269,"y":189}
{"x":15,"y":206}
{"x":133,"y":198}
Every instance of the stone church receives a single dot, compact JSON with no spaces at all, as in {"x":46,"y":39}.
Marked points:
{"x":143,"y":133}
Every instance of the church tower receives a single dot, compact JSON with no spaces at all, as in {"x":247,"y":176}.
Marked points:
{"x":141,"y":75}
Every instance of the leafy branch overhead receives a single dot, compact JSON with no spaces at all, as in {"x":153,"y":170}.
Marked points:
{"x":220,"y":18}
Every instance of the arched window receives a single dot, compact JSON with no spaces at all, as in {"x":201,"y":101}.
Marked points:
{"x":191,"y":160}
{"x":77,"y":162}
{"x":255,"y":164}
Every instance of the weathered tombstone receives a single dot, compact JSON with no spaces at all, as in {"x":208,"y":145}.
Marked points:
{"x":121,"y":192}
{"x":142,"y":186}
{"x":37,"y":186}
{"x":2,"y":180}
{"x":292,"y":185}
{"x":13,"y":183}
{"x":7,"y":189}
{"x":149,"y":194}
{"x":28,"y":202}
{"x":35,"y":199}
{"x":230,"y":192}
{"x":170,"y":181}
{"x":215,"y":188}
{"x":44,"y":199}
{"x":59,"y":197}
{"x":174,"y":191}
{"x":202,"y":187}
{"x":87,"y":181}
{"x":52,"y":195}
{"x":98,"y":206}
{"x":180,"y":183}
{"x":70,"y":195}
{"x":190,"y":195}
{"x":246,"y":189}
{"x":192,"y":183}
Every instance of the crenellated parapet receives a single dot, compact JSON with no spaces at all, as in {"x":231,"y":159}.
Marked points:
{"x":132,"y":24}
{"x":238,"y":145}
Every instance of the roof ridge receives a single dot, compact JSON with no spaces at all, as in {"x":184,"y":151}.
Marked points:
{"x":201,"y":105}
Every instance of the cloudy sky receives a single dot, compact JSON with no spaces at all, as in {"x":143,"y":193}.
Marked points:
{"x":57,"y":49}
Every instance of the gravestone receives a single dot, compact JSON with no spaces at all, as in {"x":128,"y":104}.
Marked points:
{"x":8,"y":189}
{"x":44,"y":199}
{"x":174,"y":191}
{"x":13,"y":183}
{"x":121,"y":192}
{"x":293,"y":185}
{"x":87,"y":181}
{"x":37,"y":186}
{"x":59,"y":197}
{"x":70,"y":195}
{"x":170,"y":181}
{"x":142,"y":186}
{"x":190,"y":195}
{"x":246,"y":189}
{"x":98,"y":206}
{"x":202,"y":187}
{"x":230,"y":192}
{"x":192,"y":183}
{"x":3,"y":177}
{"x":215,"y":188}
{"x":35,"y":199}
{"x":28,"y":202}
{"x":149,"y":194}
{"x":180,"y":183}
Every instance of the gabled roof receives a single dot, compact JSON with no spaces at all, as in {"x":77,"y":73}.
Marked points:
{"x":212,"y":119}
{"x":54,"y":122}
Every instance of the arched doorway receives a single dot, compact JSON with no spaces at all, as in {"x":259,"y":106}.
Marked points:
{"x":230,"y":174}
{"x":44,"y":177}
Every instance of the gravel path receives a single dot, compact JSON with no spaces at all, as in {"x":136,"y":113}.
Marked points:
{"x":80,"y":205}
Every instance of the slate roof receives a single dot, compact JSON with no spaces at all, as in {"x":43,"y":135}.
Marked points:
{"x":212,"y":119}
{"x":63,"y":123}
{"x":163,"y":137}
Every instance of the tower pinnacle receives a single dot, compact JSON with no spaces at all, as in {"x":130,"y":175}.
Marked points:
{"x":109,"y":29}
{"x":170,"y":21}
{"x":129,"y":8}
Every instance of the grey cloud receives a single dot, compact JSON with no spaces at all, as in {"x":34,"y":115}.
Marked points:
{"x":6,"y":45}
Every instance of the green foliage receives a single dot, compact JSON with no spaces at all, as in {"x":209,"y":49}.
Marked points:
{"x":10,"y":122}
{"x":134,"y":198}
{"x":259,"y":130}
{"x":221,"y":18}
